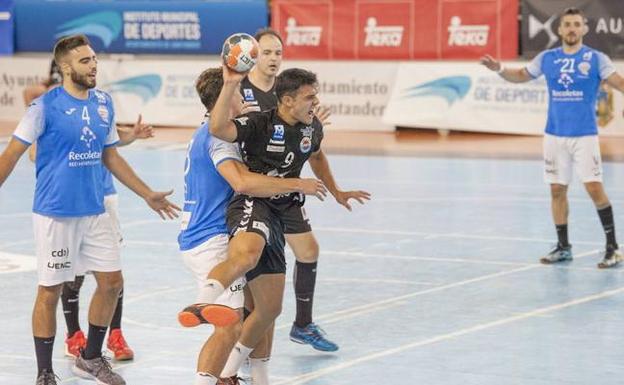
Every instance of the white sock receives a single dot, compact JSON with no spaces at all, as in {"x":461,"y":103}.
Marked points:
{"x":259,"y":371}
{"x":235,"y":360}
{"x":210,"y":291}
{"x":203,"y":378}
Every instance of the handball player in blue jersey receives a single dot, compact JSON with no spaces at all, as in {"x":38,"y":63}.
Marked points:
{"x":213,"y":172}
{"x":76,"y":340}
{"x":74,"y":127}
{"x":573,"y":74}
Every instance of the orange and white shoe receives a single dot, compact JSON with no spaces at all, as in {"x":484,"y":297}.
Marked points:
{"x":217,"y":315}
{"x":75,"y":343}
{"x":118,"y":346}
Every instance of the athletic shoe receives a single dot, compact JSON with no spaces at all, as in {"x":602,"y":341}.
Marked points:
{"x":234,"y":380}
{"x":75,"y":343}
{"x":47,"y":377}
{"x":97,"y":369}
{"x":312,"y":335}
{"x":117,"y":344}
{"x":202,"y":313}
{"x":612,"y":258}
{"x":558,"y":254}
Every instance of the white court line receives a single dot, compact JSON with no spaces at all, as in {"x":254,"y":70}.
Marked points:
{"x":398,"y":300}
{"x":302,"y":379}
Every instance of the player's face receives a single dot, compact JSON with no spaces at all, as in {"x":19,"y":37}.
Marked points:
{"x":83,"y":65}
{"x":571,"y":29}
{"x":304,"y":103}
{"x":270,"y":57}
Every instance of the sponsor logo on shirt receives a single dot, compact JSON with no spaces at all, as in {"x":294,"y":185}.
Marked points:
{"x":305,"y":145}
{"x":101,"y":97}
{"x":248,"y":94}
{"x":87,"y":158}
{"x":273,"y":148}
{"x":87,"y":136}
{"x":584,"y":68}
{"x":70,"y":111}
{"x":307,"y":131}
{"x":103,"y":112}
{"x":467,"y":35}
{"x":278,"y":134}
{"x":382,"y":36}
{"x":302,"y":36}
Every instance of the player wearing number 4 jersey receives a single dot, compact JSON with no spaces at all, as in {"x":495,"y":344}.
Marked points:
{"x":573,"y":74}
{"x":74,"y":126}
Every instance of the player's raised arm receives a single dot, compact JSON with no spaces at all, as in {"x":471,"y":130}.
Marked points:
{"x":221,"y":126}
{"x":514,"y":75}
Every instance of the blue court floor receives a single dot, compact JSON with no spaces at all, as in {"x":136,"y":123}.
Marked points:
{"x":435,"y":281}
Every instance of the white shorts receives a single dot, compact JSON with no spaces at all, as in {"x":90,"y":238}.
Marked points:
{"x":203,"y":258}
{"x":563,"y":154}
{"x":111,"y":205}
{"x":69,"y":246}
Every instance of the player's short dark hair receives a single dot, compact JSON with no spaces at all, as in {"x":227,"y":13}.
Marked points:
{"x":572,"y":11}
{"x":267,"y":32}
{"x":66,"y":44}
{"x":289,"y":81}
{"x":208,"y":86}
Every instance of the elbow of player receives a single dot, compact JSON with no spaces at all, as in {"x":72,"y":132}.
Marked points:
{"x":240,"y":186}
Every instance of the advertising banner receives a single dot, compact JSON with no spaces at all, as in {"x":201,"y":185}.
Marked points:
{"x":466,"y":96}
{"x":163,"y":91}
{"x":605,"y":21}
{"x":176,"y":27}
{"x":6,"y":27}
{"x":397,"y":29}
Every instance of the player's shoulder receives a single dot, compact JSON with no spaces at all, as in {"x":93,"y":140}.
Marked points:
{"x":101,"y":96}
{"x":589,"y":52}
{"x":551,"y":52}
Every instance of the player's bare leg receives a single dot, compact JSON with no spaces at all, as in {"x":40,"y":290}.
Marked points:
{"x":244,"y":251}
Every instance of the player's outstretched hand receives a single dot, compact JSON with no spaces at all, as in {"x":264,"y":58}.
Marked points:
{"x":231,"y":76}
{"x":343,"y":197}
{"x":141,"y":130}
{"x":158,"y":201}
{"x":323,"y":113}
{"x":311,"y":186}
{"x":490,"y":63}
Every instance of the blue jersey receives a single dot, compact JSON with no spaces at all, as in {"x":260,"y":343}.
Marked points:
{"x":109,"y":186}
{"x":71,"y":135}
{"x":573,"y":82}
{"x":206,"y":192}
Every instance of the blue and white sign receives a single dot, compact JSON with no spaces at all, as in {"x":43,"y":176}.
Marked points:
{"x":6,"y":27}
{"x":183,"y":27}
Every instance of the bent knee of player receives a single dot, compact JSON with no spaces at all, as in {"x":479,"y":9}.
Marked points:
{"x":110,"y":283}
{"x":231,"y":332}
{"x":308,"y":255}
{"x":246,"y":255}
{"x":49,"y":295}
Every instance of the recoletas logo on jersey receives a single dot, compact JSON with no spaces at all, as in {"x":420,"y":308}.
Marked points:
{"x":87,"y":136}
{"x":106,"y":26}
{"x":145,"y":87}
{"x":450,"y":88}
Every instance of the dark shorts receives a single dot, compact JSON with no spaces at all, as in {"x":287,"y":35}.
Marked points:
{"x":294,"y":216}
{"x":258,"y":215}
